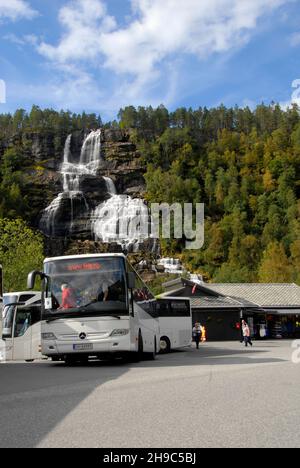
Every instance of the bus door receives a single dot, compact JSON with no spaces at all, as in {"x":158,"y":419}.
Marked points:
{"x":22,"y":336}
{"x":22,"y":333}
{"x":7,"y":331}
{"x":27,"y":333}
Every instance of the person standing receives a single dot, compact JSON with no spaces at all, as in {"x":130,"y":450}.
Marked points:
{"x":197,"y":333}
{"x":246,"y":334}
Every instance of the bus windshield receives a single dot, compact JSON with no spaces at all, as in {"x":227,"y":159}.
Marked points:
{"x":94,"y":285}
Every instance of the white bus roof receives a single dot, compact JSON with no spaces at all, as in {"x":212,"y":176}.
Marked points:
{"x":75,"y":257}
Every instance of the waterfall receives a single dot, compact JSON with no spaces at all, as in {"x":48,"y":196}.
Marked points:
{"x":110,"y":186}
{"x":120,"y":219}
{"x":67,"y":150}
{"x":172,"y":265}
{"x":90,"y":158}
{"x":48,"y":220}
{"x":91,"y":151}
{"x":71,"y":182}
{"x":123,"y":220}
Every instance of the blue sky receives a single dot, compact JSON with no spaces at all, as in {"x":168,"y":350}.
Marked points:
{"x":100,"y":55}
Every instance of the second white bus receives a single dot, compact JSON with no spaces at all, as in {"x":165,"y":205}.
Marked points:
{"x":175,"y":322}
{"x":21,"y":333}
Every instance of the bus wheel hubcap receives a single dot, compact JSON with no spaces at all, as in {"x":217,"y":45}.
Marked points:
{"x":163,"y":345}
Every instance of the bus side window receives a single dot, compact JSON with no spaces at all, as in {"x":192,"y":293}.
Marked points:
{"x":163,"y":309}
{"x":153,"y":309}
{"x":22,"y":323}
{"x":179,"y":309}
{"x":142,"y":295}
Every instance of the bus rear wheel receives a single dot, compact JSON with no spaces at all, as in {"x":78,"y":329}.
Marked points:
{"x":165,"y":345}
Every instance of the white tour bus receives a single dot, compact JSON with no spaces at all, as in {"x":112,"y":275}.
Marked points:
{"x":95,"y":306}
{"x":21,"y":331}
{"x":175,"y":322}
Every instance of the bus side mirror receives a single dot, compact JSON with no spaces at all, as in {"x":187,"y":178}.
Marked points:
{"x":32,"y":278}
{"x":131,"y":280}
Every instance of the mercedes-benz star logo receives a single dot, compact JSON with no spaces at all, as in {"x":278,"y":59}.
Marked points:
{"x":82,"y":336}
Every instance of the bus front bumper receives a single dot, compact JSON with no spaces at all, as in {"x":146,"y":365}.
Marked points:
{"x":116,"y":344}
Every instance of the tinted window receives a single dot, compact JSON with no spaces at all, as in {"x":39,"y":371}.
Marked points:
{"x":142,"y":295}
{"x":22,"y":323}
{"x":170,"y":308}
{"x":35,"y":314}
{"x":26,"y":297}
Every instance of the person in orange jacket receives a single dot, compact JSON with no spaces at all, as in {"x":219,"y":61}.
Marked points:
{"x":203,"y":335}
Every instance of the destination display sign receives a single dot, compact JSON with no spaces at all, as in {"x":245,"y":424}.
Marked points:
{"x":84,"y":267}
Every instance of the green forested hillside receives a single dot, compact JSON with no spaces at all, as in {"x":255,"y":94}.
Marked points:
{"x":244,"y":165}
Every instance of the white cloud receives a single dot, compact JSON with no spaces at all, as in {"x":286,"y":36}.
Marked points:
{"x":295,"y":95}
{"x":141,"y":54}
{"x":84,"y":22}
{"x":16,"y":9}
{"x":158,"y":30}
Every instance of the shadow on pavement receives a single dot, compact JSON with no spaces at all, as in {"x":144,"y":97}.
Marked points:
{"x":34,"y":398}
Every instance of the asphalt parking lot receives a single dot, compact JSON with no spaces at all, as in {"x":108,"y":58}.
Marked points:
{"x":220,"y":396}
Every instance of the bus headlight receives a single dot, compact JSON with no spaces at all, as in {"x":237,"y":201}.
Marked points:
{"x":48,"y":336}
{"x":120,"y":332}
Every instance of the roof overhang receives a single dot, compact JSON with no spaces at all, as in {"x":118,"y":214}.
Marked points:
{"x":279,"y":311}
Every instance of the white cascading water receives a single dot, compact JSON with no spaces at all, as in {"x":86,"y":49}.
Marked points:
{"x":67,"y":150}
{"x":123,"y":220}
{"x":90,"y":158}
{"x":172,"y":265}
{"x":90,"y":152}
{"x":120,"y":219}
{"x":110,"y":186}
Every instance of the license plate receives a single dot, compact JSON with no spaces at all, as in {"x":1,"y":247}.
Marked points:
{"x":82,"y":347}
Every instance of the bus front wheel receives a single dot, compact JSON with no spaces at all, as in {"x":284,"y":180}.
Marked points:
{"x":165,"y":345}
{"x":137,"y":356}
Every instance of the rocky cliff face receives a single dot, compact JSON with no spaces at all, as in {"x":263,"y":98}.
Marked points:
{"x":120,"y":162}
